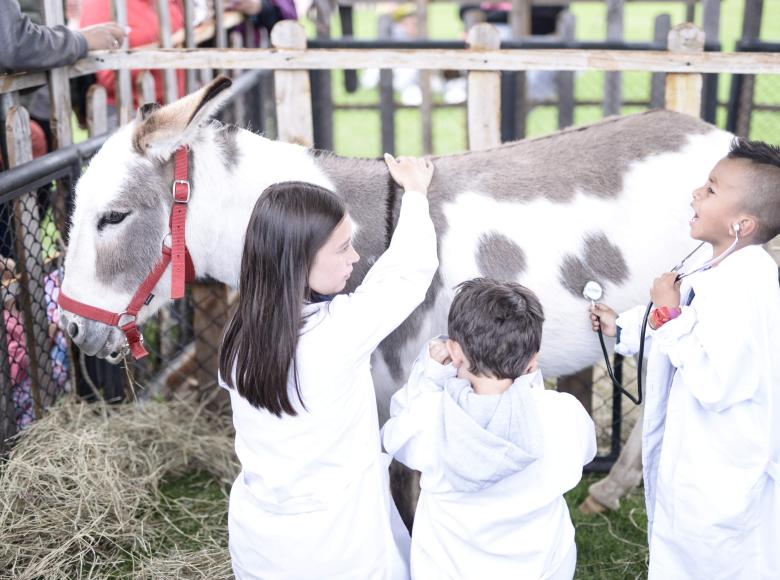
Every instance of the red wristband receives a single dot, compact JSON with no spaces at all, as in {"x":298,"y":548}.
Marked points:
{"x":663,"y":314}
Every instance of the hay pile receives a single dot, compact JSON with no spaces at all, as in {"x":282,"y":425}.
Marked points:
{"x":80,"y":494}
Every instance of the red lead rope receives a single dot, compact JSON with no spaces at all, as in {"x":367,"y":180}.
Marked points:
{"x":182,"y":269}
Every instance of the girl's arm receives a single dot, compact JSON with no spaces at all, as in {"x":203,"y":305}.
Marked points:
{"x":397,"y":283}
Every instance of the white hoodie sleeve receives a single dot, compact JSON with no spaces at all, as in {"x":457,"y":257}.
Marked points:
{"x":415,"y":410}
{"x":395,"y":285}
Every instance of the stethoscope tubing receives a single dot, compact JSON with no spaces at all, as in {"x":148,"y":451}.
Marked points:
{"x":641,"y":354}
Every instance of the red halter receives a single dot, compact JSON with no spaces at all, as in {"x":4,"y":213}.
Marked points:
{"x":182,"y":269}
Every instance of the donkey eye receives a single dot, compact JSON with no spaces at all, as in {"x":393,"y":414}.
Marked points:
{"x":111,"y":217}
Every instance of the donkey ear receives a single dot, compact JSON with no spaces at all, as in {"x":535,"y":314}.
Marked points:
{"x":146,"y":110}
{"x":159,"y":131}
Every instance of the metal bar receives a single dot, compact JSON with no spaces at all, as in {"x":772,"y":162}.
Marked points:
{"x":565,"y":79}
{"x":613,"y":92}
{"x":387,"y":105}
{"x":617,"y":406}
{"x":662,"y":26}
{"x":711,"y":27}
{"x":25,"y":177}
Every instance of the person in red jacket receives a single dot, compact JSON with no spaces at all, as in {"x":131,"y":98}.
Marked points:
{"x":144,"y":30}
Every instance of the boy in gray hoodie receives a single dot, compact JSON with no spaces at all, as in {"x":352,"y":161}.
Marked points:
{"x":495,"y":449}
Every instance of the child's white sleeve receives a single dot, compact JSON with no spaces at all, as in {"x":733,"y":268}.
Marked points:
{"x":714,"y":355}
{"x":395,"y":285}
{"x":630,"y":330}
{"x":415,"y":413}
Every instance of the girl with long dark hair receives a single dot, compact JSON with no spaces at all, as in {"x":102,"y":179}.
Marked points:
{"x":313,"y":498}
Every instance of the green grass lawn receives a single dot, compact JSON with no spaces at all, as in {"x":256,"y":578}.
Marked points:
{"x":357,"y":133}
{"x":611,"y":545}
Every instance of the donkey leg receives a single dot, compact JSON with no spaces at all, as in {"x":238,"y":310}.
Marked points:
{"x":624,"y":476}
{"x":405,"y":487}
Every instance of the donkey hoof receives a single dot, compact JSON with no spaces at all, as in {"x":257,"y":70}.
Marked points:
{"x":591,"y":507}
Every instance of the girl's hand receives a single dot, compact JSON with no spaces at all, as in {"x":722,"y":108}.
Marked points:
{"x":411,"y":173}
{"x":666,"y":290}
{"x":601,"y":314}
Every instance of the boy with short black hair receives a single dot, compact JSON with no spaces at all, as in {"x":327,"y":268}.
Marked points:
{"x":496,"y":450}
{"x":711,"y":431}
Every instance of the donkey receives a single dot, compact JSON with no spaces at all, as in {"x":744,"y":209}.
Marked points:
{"x":607,"y":202}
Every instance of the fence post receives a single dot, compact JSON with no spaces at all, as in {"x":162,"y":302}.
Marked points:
{"x":565,"y":79}
{"x":59,"y":84}
{"x":292,"y":88}
{"x":170,"y":81}
{"x":97,"y":110}
{"x":612,"y":80}
{"x":145,"y":87}
{"x":683,"y":90}
{"x":663,"y":23}
{"x":29,"y":255}
{"x":124,"y":83}
{"x":236,"y":40}
{"x":484,"y":92}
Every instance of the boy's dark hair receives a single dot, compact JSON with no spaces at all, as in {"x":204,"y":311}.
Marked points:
{"x":763,"y":199}
{"x":498,"y":325}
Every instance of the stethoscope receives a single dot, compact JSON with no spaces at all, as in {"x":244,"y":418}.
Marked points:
{"x":593,"y":292}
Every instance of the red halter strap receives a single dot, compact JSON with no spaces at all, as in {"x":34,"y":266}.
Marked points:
{"x":182,"y":269}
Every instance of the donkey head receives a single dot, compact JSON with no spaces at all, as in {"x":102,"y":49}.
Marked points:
{"x":120,"y":220}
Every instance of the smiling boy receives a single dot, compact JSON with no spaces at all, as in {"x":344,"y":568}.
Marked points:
{"x":711,"y":430}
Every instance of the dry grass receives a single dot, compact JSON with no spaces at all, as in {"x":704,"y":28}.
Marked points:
{"x":80,"y":494}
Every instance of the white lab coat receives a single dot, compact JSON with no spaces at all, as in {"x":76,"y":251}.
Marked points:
{"x":491,"y":502}
{"x":711,"y":434}
{"x":313,"y":498}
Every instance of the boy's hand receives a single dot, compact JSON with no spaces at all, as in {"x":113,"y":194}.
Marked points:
{"x":666,"y":290}
{"x":438,"y":351}
{"x":411,"y":173}
{"x":606,"y":317}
